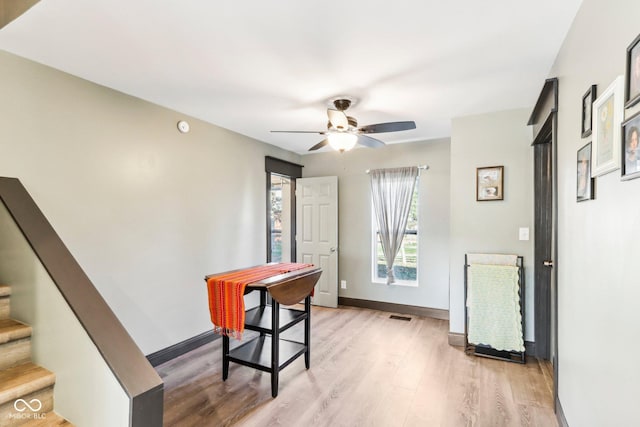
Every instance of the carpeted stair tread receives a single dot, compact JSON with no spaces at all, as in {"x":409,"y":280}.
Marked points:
{"x":5,"y":291}
{"x":11,"y":330}
{"x":22,"y":380}
{"x":50,"y":419}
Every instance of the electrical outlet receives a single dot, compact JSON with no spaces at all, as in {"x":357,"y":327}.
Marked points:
{"x":343,"y":284}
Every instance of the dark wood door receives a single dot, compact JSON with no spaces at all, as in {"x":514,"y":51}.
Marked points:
{"x":543,"y":241}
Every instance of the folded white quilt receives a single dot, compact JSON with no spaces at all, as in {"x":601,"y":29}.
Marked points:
{"x":494,"y":307}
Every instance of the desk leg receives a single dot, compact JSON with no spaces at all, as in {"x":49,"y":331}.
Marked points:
{"x":225,"y":357}
{"x":275,"y":346}
{"x":263,"y":303}
{"x":307,"y":332}
{"x":263,"y":297}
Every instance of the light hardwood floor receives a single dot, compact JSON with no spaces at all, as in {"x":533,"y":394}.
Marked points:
{"x":366,"y":370}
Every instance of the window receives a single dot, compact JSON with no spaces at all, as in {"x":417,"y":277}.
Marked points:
{"x":280,"y":219}
{"x":405,"y":268}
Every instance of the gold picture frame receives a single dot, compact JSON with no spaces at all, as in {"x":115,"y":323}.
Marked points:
{"x":489,"y":183}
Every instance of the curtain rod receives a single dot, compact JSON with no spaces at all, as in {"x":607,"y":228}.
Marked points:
{"x":423,"y":167}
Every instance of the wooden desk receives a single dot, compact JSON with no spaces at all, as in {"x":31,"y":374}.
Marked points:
{"x":268,"y":352}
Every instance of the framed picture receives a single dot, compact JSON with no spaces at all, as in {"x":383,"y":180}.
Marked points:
{"x":584,"y":189}
{"x":490,"y":183}
{"x":630,"y":152}
{"x":608,"y":109}
{"x":587,"y":103}
{"x":632,"y":86}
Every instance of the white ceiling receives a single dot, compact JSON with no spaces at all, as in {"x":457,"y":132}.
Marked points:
{"x":252,"y":66}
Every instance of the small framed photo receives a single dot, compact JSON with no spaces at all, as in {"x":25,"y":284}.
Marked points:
{"x":587,"y":104}
{"x":630,"y":152}
{"x":490,"y":183}
{"x":632,"y":83}
{"x":608,"y":110}
{"x":585,"y":181}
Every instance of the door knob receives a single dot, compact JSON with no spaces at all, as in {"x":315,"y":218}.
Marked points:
{"x":332,"y":250}
{"x":548,"y":263}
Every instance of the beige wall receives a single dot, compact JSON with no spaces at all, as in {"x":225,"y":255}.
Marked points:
{"x":354,"y":207}
{"x":495,"y":139}
{"x":597,"y":263}
{"x":146,"y":211}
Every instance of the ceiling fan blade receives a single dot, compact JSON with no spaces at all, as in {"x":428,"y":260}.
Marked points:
{"x":388,"y":127}
{"x":338,"y":119}
{"x":367,"y":141}
{"x":321,"y":132}
{"x":319,"y":145}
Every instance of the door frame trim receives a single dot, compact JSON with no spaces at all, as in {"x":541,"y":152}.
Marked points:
{"x":289,"y":170}
{"x":547,"y":107}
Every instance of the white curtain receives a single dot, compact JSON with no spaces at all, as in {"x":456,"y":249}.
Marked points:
{"x":392,"y":191}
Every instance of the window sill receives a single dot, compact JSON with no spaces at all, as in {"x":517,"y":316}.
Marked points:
{"x":400,"y":283}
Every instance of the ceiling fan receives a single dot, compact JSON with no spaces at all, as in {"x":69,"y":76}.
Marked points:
{"x":343,"y":132}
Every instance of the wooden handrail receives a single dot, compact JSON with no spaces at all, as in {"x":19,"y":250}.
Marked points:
{"x":128,"y":364}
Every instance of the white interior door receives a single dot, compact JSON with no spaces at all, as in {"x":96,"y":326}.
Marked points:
{"x":317,"y":233}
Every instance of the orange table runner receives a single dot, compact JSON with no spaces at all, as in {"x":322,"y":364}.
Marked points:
{"x":226,"y":295}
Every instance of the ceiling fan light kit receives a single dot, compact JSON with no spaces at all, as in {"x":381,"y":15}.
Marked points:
{"x":342,"y":141}
{"x":343,"y":132}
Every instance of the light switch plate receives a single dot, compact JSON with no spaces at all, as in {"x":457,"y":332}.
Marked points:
{"x":524,"y":233}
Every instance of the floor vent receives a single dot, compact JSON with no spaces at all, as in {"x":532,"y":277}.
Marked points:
{"x":406,"y":319}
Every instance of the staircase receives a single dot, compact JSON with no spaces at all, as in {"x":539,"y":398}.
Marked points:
{"x":26,"y":389}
